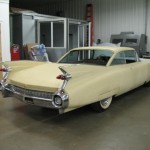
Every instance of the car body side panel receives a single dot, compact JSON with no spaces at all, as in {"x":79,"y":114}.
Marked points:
{"x":112,"y":81}
{"x":140,"y":70}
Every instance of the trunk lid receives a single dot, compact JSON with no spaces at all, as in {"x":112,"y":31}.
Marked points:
{"x":41,"y":77}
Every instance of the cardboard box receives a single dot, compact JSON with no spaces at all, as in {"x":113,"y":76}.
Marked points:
{"x":27,"y":48}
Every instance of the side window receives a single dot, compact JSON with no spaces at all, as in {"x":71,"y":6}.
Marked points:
{"x":130,"y":56}
{"x":119,"y":59}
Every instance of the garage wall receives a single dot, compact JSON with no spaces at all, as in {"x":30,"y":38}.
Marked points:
{"x":148,"y":25}
{"x":110,"y":16}
{"x":5,"y":35}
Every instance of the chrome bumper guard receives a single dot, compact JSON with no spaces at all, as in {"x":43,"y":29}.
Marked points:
{"x":42,"y":99}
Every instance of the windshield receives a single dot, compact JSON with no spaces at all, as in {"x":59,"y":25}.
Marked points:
{"x":96,"y":57}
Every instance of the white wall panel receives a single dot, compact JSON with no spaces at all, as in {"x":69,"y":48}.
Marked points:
{"x":5,"y":35}
{"x":148,"y":26}
{"x":114,"y":16}
{"x":110,"y":16}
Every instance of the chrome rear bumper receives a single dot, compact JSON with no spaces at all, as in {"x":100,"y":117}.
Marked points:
{"x":42,"y":99}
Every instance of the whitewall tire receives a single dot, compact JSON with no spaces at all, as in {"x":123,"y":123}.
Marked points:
{"x":102,"y":105}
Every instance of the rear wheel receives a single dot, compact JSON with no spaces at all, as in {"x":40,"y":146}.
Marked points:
{"x":102,"y":105}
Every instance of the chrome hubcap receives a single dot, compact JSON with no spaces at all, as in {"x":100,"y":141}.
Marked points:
{"x":106,"y":102}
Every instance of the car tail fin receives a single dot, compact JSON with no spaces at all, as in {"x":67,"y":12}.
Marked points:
{"x":5,"y":68}
{"x":65,"y":75}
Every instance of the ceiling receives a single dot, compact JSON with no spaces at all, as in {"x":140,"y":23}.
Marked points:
{"x":30,"y":3}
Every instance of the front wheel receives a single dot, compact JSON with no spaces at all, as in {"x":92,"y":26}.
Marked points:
{"x":102,"y":105}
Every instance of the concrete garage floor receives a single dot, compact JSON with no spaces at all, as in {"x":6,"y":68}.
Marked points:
{"x":125,"y":126}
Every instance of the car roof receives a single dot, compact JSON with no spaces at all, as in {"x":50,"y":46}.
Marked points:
{"x":114,"y":49}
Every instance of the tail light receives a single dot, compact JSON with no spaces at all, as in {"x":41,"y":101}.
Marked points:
{"x":4,"y":70}
{"x":61,"y":77}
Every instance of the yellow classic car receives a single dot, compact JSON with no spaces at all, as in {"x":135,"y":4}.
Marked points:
{"x":83,"y":76}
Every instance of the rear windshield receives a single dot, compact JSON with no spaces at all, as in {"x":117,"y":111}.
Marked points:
{"x":96,"y":57}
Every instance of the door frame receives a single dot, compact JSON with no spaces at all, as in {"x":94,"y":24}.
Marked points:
{"x":52,"y":21}
{"x":86,"y":27}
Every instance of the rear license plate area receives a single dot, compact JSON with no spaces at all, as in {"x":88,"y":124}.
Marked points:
{"x":29,"y":100}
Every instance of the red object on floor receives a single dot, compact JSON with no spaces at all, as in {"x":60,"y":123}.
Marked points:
{"x":15,"y":52}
